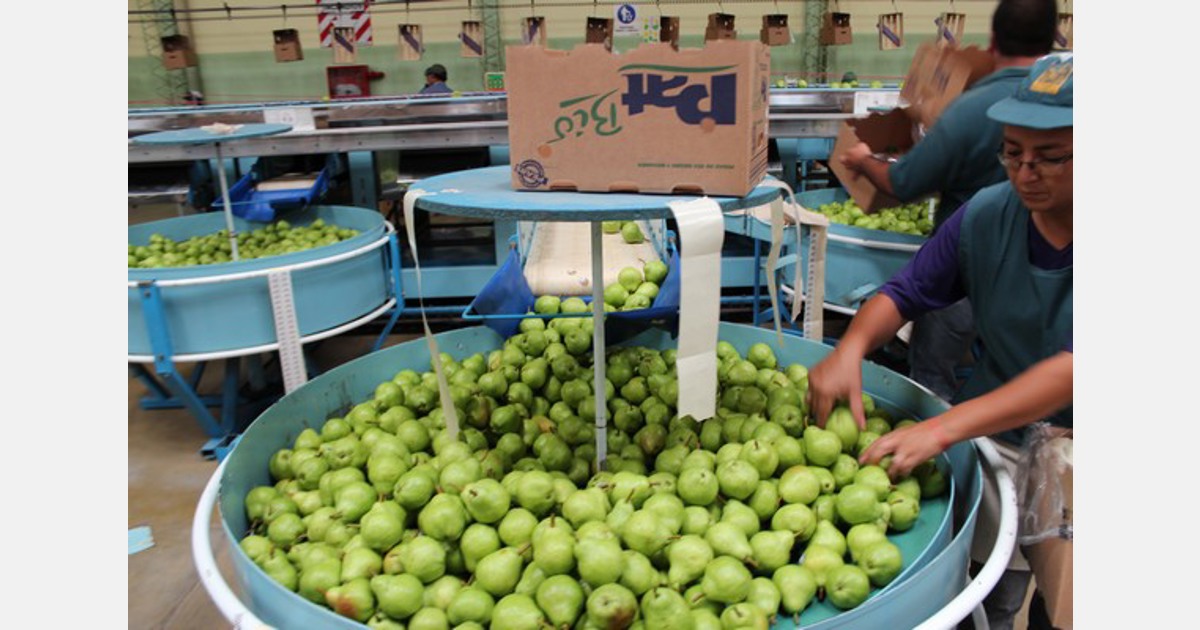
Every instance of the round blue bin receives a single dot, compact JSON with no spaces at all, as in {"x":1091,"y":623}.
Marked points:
{"x":857,"y":261}
{"x":934,"y":573}
{"x":221,"y":316}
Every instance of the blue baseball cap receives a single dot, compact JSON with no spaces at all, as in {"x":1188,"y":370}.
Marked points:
{"x":1043,"y":101}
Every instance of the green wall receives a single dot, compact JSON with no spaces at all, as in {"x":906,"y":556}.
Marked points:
{"x":256,"y":77}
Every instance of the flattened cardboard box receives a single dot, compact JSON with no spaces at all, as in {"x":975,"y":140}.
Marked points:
{"x":651,"y":120}
{"x":886,"y":133}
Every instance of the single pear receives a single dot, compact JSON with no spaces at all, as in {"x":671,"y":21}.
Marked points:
{"x":477,"y":541}
{"x":398,"y":596}
{"x":771,"y":550}
{"x":726,"y":580}
{"x":383,"y":525}
{"x":688,"y":557}
{"x":561,"y":597}
{"x":361,"y":563}
{"x":847,"y":586}
{"x":612,"y":606}
{"x":599,"y":561}
{"x":498,"y":572}
{"x":470,"y":604}
{"x":517,"y":612}
{"x":765,"y":596}
{"x":882,"y":562}
{"x":742,"y":515}
{"x":352,"y":599}
{"x":797,"y":587}
{"x":666,"y":609}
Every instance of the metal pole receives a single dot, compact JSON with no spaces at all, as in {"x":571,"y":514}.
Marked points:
{"x":598,"y":364}
{"x":233,"y":248}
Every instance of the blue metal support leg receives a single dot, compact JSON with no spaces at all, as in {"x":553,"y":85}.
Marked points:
{"x":397,"y":290}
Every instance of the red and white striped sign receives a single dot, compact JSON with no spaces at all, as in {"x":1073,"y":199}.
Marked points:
{"x":354,"y":15}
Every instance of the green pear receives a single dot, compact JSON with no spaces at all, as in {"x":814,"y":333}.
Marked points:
{"x":841,"y":422}
{"x":599,"y":561}
{"x":354,"y":499}
{"x":860,"y":536}
{"x":280,"y":505}
{"x":441,"y":592}
{"x":665,"y":608}
{"x":478,"y":540}
{"x":429,"y":619}
{"x":847,"y":586}
{"x":933,"y":481}
{"x":669,"y":510}
{"x":536,"y":492}
{"x":799,"y":485}
{"x":629,"y":486}
{"x":486,"y":500}
{"x":696,"y":520}
{"x":278,"y":568}
{"x":821,"y":447}
{"x":737,"y":479}
{"x":904,"y":511}
{"x":698,"y":485}
{"x":821,"y":560}
{"x":639,"y":574}
{"x":380,"y":621}
{"x":554,"y":550}
{"x":444,"y":518}
{"x":470,"y":604}
{"x":352,"y":599}
{"x":796,"y":518}
{"x":828,"y":535}
{"x":517,"y":612}
{"x":398,"y":596}
{"x":726,"y":580}
{"x":760,"y":454}
{"x":285,"y":530}
{"x":700,"y":459}
{"x":742,"y":515}
{"x":256,"y":501}
{"x":516,"y":528}
{"x":612,"y":606}
{"x":645,"y":533}
{"x":319,"y":523}
{"x":857,"y":503}
{"x":498,"y":572}
{"x":598,"y":530}
{"x":424,"y":558}
{"x":361,"y":563}
{"x":909,"y":486}
{"x":704,"y":619}
{"x":727,"y":539}
{"x":688,"y":557}
{"x":771,"y":550}
{"x":531,"y":578}
{"x":308,"y":472}
{"x":797,"y":587}
{"x":882,"y":561}
{"x":825,"y":508}
{"x":413,"y":490}
{"x":382,"y":526}
{"x":308,"y":438}
{"x":765,"y":499}
{"x":826,"y":479}
{"x":587,"y":505}
{"x":561,"y":598}
{"x":765,"y":596}
{"x":876,"y":478}
{"x":256,"y":547}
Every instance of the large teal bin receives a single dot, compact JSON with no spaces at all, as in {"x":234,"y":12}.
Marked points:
{"x":857,"y":261}
{"x":935,"y":569}
{"x":228,"y":315}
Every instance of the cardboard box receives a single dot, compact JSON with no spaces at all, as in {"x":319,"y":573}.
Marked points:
{"x":886,"y":133}
{"x":891,"y":31}
{"x":950,"y":28}
{"x":668,"y":30}
{"x":287,"y":45}
{"x":177,"y":52}
{"x":835,"y":30}
{"x":775,"y":30}
{"x":471,"y":37}
{"x":599,"y":31}
{"x":651,"y":120}
{"x":720,"y":26}
{"x":345,"y":46}
{"x":411,"y":45}
{"x":533,"y":31}
{"x":1064,"y":34}
{"x":938,"y":74}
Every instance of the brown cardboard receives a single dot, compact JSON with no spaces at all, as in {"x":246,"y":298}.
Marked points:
{"x":599,"y":31}
{"x":1064,"y":35}
{"x":775,"y":30}
{"x":884,"y":133}
{"x":287,"y":45}
{"x":411,"y":46}
{"x":668,"y":31}
{"x":471,"y":37}
{"x":938,"y":74}
{"x":1053,"y":564}
{"x":891,"y":31}
{"x":720,"y":26}
{"x":589,"y":120}
{"x":178,"y":53}
{"x":835,"y":30}
{"x":534,"y":31}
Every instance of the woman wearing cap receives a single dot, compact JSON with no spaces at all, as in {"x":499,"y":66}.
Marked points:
{"x":1009,"y":250}
{"x":435,"y":80}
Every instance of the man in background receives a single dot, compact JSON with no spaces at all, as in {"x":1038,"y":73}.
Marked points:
{"x":435,"y":80}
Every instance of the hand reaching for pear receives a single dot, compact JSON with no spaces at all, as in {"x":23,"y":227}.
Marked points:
{"x":909,"y":446}
{"x":835,"y":379}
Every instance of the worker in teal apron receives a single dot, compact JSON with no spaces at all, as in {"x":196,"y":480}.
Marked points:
{"x":1009,"y":251}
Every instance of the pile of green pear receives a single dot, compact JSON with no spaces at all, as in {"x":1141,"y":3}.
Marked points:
{"x":912,"y":218}
{"x":635,"y":289}
{"x":273,"y":239}
{"x":387,"y":518}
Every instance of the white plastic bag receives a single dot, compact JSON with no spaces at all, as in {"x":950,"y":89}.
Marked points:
{"x":1045,"y":504}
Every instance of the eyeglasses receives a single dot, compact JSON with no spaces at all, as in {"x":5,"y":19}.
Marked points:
{"x":1041,"y":166}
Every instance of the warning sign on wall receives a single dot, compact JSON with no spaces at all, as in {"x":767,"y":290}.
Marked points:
{"x":347,"y":15}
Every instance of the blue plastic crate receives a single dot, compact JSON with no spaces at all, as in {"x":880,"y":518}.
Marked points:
{"x":252,"y":204}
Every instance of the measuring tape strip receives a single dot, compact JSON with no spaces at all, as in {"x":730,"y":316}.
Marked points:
{"x":450,"y":414}
{"x":814,"y":285}
{"x":287,"y":331}
{"x":701,"y":235}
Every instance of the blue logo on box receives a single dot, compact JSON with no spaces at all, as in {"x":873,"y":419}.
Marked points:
{"x":626,"y":14}
{"x":531,"y":173}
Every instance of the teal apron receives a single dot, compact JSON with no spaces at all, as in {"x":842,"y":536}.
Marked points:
{"x":1022,"y":313}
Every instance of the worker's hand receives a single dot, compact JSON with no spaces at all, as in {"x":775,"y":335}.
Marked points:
{"x":838,"y":377}
{"x":909,"y":446}
{"x":854,"y":157}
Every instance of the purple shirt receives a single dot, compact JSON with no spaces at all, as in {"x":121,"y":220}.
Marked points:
{"x":932,"y":279}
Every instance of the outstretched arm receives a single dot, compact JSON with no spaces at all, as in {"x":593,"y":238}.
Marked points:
{"x":1044,"y":388}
